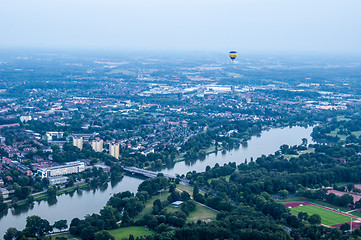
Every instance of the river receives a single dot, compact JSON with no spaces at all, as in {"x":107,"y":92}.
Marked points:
{"x":268,"y":143}
{"x":87,"y":202}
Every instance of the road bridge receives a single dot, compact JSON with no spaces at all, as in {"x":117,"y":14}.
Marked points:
{"x":150,"y":174}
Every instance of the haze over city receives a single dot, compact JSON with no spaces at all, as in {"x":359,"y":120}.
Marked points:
{"x":180,"y":120}
{"x":325,"y":26}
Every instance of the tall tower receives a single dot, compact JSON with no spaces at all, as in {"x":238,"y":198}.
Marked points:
{"x":97,"y":145}
{"x":114,"y":150}
{"x":78,"y":142}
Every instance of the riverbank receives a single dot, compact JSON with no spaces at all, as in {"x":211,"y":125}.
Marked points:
{"x":81,"y":203}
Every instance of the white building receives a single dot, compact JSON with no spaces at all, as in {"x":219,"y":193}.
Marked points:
{"x":68,"y":168}
{"x":97,"y":145}
{"x":51,"y":135}
{"x":25,"y":118}
{"x":78,"y":142}
{"x":58,"y":180}
{"x":114,"y":150}
{"x":4,"y":192}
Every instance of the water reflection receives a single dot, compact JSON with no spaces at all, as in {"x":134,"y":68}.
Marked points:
{"x":266,"y":143}
{"x":67,"y":206}
{"x":71,"y":194}
{"x":23,"y":208}
{"x":52,"y":201}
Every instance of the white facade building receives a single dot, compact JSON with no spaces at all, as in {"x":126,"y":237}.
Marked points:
{"x":51,"y":135}
{"x":68,"y":168}
{"x":58,"y":180}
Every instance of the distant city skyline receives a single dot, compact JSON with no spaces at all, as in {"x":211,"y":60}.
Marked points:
{"x":246,"y":26}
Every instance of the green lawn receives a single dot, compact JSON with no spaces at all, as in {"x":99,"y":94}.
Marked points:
{"x":149,"y":204}
{"x":357,"y":133}
{"x":328,"y":218}
{"x":188,"y":189}
{"x":226,"y":177}
{"x":201,"y":213}
{"x":123,"y":233}
{"x":334,"y":134}
{"x":67,"y":235}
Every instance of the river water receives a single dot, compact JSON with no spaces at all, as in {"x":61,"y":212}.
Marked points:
{"x":82,"y":203}
{"x":268,"y":143}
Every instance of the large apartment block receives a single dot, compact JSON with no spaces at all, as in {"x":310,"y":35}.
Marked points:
{"x":114,"y":150}
{"x":97,"y":145}
{"x":78,"y":142}
{"x":68,"y":168}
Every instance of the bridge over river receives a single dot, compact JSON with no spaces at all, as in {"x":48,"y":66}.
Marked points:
{"x":151,"y":174}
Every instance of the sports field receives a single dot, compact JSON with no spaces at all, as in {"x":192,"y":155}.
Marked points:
{"x":123,"y":233}
{"x":328,"y":217}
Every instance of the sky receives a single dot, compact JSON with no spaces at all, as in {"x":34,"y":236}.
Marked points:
{"x":325,"y":26}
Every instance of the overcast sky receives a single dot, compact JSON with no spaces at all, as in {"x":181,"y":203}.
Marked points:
{"x":331,"y":26}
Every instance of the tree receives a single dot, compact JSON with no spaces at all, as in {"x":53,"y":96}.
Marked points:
{"x":11,"y":234}
{"x":88,"y":233}
{"x":125,"y":219}
{"x":304,"y":141}
{"x":283,"y":193}
{"x":103,"y":235}
{"x":172,"y":188}
{"x":195,"y":191}
{"x":302,"y":215}
{"x":185,"y":196}
{"x":61,"y":224}
{"x":109,"y":215}
{"x":314,"y":219}
{"x":51,"y":191}
{"x":345,"y":227}
{"x":36,"y":226}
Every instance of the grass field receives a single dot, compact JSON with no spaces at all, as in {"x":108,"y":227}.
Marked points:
{"x":328,"y":217}
{"x":188,"y":189}
{"x":357,"y":133}
{"x":123,"y":233}
{"x":226,"y":177}
{"x":201,"y":213}
{"x":67,"y":235}
{"x":149,"y":204}
{"x":343,"y":137}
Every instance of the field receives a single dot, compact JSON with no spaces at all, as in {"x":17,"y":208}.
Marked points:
{"x":328,"y":217}
{"x":188,"y":189}
{"x":149,"y":204}
{"x":67,"y":235}
{"x":122,"y":233}
{"x":316,"y":202}
{"x":201,"y":213}
{"x":341,"y":136}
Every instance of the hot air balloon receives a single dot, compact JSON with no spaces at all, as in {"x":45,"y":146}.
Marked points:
{"x":233,"y":55}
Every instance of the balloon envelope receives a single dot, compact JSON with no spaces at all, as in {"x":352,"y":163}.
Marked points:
{"x":233,"y":55}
